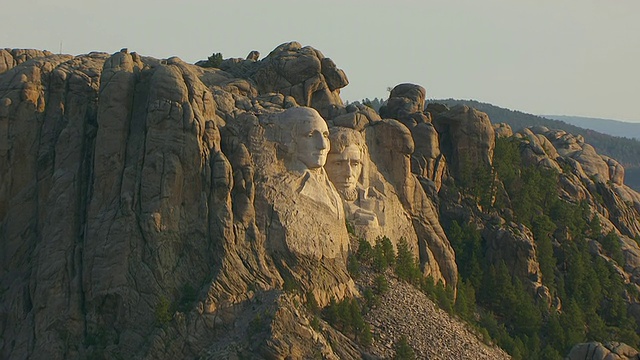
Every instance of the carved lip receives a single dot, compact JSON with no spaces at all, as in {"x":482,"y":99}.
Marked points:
{"x":345,"y":184}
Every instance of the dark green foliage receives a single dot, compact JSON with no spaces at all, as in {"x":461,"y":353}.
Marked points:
{"x":476,"y":180}
{"x":380,"y":284}
{"x":213,"y":61}
{"x":403,"y":351}
{"x":595,"y":227}
{"x":383,"y":254}
{"x":347,"y":317}
{"x":365,"y":337}
{"x":375,"y":104}
{"x":625,"y":150}
{"x":260,"y":323}
{"x":371,"y":299}
{"x":365,"y":252}
{"x":163,"y":311}
{"x":591,"y":292}
{"x":444,"y":297}
{"x":350,"y":229}
{"x":353,"y":266}
{"x":611,"y":244}
{"x":467,"y":243}
{"x":315,"y":323}
{"x":465,"y":304}
{"x":387,"y":250}
{"x":543,"y":229}
{"x":407,"y":268}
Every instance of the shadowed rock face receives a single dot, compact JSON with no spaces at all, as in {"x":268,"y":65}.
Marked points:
{"x":467,"y":138}
{"x":152,"y":208}
{"x":599,"y":351}
{"x":137,"y":187}
{"x":406,"y":104}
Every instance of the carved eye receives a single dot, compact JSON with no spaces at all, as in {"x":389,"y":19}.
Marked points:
{"x":325,"y":134}
{"x":309,"y":135}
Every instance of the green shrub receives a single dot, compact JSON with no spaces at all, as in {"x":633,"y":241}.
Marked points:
{"x":380,"y":284}
{"x":353,"y":266}
{"x":365,"y":251}
{"x":611,"y":244}
{"x":213,"y":61}
{"x":383,"y":254}
{"x":406,"y":267}
{"x":403,"y":351}
{"x":163,"y":311}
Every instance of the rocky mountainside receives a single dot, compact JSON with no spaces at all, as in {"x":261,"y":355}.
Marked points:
{"x":619,"y":128}
{"x":624,"y":148}
{"x":158,"y":209}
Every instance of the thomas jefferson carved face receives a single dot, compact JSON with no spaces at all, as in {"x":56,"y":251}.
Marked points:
{"x":344,"y":162}
{"x":310,"y":139}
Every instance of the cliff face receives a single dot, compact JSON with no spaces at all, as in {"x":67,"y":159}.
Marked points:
{"x":157,"y":209}
{"x":134,"y":189}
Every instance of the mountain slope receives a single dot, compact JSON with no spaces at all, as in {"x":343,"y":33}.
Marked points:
{"x":625,"y":150}
{"x":605,"y":126}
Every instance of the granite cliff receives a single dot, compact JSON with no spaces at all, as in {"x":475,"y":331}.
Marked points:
{"x":158,"y":209}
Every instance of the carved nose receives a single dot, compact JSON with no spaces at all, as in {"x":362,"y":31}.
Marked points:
{"x":324,"y":143}
{"x":349,"y":170}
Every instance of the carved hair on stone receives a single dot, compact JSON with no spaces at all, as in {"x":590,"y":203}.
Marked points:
{"x":341,"y":137}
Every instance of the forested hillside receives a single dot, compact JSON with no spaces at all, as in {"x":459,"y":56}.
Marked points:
{"x":625,"y":150}
{"x":605,"y":126}
{"x":582,"y":282}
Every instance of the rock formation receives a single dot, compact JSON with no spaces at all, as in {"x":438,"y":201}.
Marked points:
{"x":141,"y":192}
{"x":157,"y":209}
{"x":599,"y":351}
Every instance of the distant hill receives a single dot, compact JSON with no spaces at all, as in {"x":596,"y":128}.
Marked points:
{"x":605,"y":126}
{"x":623,"y":149}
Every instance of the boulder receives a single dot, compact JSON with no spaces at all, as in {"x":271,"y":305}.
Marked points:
{"x":603,"y":351}
{"x":391,"y":145}
{"x":467,"y":138}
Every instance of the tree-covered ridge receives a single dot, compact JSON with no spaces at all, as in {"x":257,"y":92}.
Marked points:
{"x":625,"y":150}
{"x":591,"y":298}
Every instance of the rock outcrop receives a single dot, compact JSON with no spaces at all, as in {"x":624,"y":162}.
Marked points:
{"x":158,"y":209}
{"x":467,"y":138}
{"x":600,"y":351}
{"x":148,"y":202}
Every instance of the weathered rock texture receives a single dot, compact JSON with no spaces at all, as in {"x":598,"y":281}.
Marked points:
{"x":606,"y":351}
{"x":467,"y":138}
{"x":149,"y":208}
{"x":146,"y":205}
{"x":404,"y":311}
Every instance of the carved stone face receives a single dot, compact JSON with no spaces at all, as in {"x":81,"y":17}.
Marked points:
{"x":344,"y":169}
{"x":311,"y":140}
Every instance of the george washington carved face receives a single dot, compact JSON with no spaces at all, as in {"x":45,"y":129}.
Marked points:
{"x":309,"y":142}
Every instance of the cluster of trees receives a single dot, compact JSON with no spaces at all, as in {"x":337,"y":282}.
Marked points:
{"x":587,"y":287}
{"x":212,"y":61}
{"x":347,"y":315}
{"x":375,"y":104}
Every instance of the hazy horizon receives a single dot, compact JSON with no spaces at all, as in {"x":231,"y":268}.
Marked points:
{"x":539,"y":57}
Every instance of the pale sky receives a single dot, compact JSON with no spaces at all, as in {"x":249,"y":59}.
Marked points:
{"x":578,"y":57}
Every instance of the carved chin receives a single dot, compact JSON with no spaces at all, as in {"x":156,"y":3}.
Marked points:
{"x":348,"y":194}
